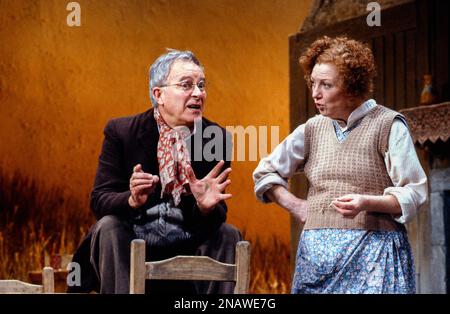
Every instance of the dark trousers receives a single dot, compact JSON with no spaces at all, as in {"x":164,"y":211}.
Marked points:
{"x":110,"y":258}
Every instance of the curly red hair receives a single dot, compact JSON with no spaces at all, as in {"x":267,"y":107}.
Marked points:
{"x":353,"y":59}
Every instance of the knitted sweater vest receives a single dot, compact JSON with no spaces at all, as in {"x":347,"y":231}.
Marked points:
{"x":355,"y":166}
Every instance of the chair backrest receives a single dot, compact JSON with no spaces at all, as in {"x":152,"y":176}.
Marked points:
{"x":189,"y":268}
{"x":17,"y":286}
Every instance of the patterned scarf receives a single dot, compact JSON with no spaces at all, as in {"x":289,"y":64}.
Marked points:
{"x":173,"y":157}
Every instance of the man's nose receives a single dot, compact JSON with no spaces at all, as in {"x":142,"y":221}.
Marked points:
{"x":196,"y":91}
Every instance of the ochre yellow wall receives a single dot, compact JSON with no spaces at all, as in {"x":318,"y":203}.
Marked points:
{"x":59,"y":85}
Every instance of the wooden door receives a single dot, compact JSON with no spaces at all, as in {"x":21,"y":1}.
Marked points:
{"x":411,"y":41}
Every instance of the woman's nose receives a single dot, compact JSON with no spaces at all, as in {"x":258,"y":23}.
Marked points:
{"x":315,"y":91}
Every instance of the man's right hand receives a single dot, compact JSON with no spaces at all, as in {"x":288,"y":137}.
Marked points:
{"x":141,"y":186}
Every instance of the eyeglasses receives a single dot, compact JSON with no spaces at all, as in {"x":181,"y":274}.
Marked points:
{"x":188,"y":86}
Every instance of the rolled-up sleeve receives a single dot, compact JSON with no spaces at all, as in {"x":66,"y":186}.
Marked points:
{"x":407,"y":175}
{"x":275,"y":169}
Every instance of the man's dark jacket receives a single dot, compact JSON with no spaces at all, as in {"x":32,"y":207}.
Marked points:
{"x":130,"y":141}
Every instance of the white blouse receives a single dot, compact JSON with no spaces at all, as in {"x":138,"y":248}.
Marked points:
{"x":403,"y":166}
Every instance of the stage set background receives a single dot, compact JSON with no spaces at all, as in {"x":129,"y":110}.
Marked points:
{"x":59,"y":85}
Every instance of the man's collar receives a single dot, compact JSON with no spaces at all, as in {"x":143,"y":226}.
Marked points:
{"x":188,"y":134}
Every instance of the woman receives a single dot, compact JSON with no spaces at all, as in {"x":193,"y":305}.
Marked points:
{"x":365,"y":180}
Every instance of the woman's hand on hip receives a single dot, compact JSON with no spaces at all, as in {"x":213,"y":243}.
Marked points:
{"x":297,"y":207}
{"x":300,"y":210}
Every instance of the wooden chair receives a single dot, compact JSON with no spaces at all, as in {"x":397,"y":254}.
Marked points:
{"x":17,"y":286}
{"x":189,"y":268}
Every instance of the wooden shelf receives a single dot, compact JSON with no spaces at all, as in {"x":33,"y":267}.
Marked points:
{"x":429,"y":123}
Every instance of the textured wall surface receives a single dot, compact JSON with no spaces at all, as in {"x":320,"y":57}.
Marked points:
{"x":328,"y":12}
{"x":59,"y":85}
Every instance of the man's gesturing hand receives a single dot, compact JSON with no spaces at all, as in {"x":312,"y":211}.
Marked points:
{"x":141,"y":185}
{"x":208,"y":191}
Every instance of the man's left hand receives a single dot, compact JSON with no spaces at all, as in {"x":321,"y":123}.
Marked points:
{"x":209,"y":191}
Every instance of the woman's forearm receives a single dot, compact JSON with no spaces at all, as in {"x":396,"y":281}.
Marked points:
{"x":281,"y":196}
{"x":387,"y":204}
{"x":351,"y":205}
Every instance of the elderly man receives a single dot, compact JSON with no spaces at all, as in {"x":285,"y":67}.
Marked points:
{"x":150,"y":186}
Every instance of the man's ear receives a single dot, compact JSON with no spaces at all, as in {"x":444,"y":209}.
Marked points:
{"x":158,"y":95}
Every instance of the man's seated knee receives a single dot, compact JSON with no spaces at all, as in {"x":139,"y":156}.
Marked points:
{"x":225,"y":237}
{"x":230,"y":233}
{"x":108,"y":223}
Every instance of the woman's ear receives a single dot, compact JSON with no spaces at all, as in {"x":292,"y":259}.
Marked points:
{"x":158,"y":94}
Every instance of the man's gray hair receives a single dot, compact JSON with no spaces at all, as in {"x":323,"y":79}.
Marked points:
{"x":159,"y":71}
